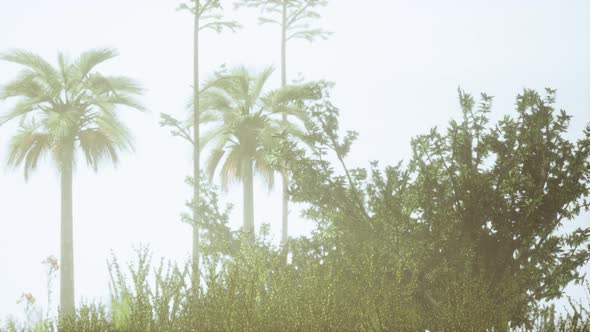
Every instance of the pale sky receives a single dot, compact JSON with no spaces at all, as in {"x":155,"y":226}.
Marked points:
{"x":396,"y":64}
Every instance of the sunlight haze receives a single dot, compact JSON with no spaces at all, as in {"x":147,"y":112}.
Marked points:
{"x":397,"y":67}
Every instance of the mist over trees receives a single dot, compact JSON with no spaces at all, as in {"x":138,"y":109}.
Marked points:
{"x":475,"y":231}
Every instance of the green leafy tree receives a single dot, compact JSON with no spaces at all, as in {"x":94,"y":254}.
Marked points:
{"x":62,"y":110}
{"x":244,"y":127}
{"x":207,"y":16}
{"x":482,"y":217}
{"x":366,"y":240}
{"x":295,"y":19}
{"x":394,"y":247}
{"x":494,"y":197}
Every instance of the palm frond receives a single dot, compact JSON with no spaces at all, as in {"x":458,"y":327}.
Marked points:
{"x":100,"y":84}
{"x":32,"y":61}
{"x":290,"y":96}
{"x":109,"y":102}
{"x":216,"y":99}
{"x":65,"y":70}
{"x":241,"y":82}
{"x":217,"y":135}
{"x":21,"y":109}
{"x":267,"y":134}
{"x":264,"y":168}
{"x":61,"y":124}
{"x":232,"y":167}
{"x":259,"y":83}
{"x":91,"y":58}
{"x":28,"y":84}
{"x":209,"y":117}
{"x":213,"y":161}
{"x":110,"y":126}
{"x":97,"y":146}
{"x":28,"y":145}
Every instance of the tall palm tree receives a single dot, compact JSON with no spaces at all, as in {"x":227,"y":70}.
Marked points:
{"x":243,"y":125}
{"x":295,"y":19}
{"x":63,"y":110}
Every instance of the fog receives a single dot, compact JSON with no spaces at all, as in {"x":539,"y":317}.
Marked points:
{"x":396,"y":65}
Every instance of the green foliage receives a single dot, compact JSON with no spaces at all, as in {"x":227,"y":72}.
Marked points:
{"x":460,"y":238}
{"x":577,"y":319}
{"x":154,"y":298}
{"x":243,"y":123}
{"x":245,"y":128}
{"x":319,"y":289}
{"x":66,"y":106}
{"x":477,"y":209}
{"x":89,"y":318}
{"x":493,"y":198}
{"x":216,"y":236}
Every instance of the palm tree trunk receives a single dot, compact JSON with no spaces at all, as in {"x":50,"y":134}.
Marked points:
{"x":66,"y":303}
{"x":249,"y":199}
{"x":285,"y":175}
{"x":196,"y":153}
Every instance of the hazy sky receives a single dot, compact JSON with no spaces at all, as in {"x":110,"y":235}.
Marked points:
{"x":396,"y":64}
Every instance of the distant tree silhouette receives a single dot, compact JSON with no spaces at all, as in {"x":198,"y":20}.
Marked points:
{"x":244,"y":127}
{"x":207,"y":16}
{"x":295,"y":19}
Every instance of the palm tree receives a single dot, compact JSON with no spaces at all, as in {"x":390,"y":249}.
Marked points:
{"x":243,"y":125}
{"x":62,"y":110}
{"x":295,"y":19}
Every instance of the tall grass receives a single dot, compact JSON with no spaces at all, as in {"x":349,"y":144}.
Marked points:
{"x":255,"y":290}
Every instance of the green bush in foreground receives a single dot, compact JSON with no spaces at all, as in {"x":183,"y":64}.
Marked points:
{"x":460,"y":238}
{"x":258,"y":292}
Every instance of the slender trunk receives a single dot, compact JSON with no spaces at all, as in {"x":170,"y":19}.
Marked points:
{"x":66,"y":302}
{"x":284,"y":46}
{"x":285,"y":175}
{"x":249,"y":199}
{"x":285,"y":229}
{"x":196,"y":154}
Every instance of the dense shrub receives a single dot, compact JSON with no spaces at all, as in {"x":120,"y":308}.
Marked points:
{"x":462,"y":237}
